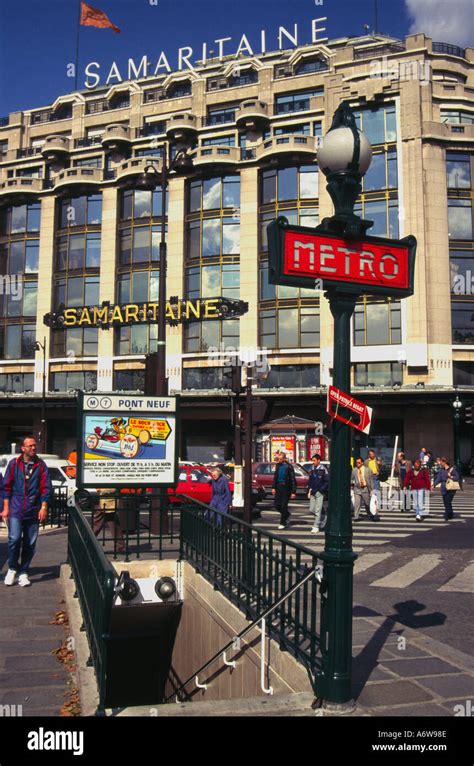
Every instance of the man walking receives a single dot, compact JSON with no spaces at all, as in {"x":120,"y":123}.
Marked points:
{"x":374,"y":463}
{"x":27,"y":492}
{"x":402,"y":466}
{"x":418,"y":481}
{"x":362,"y":480}
{"x":318,"y":484}
{"x":283,"y":488}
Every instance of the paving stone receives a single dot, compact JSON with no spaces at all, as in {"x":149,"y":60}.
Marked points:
{"x":385,"y":694}
{"x":25,"y":620}
{"x":423,"y":666}
{"x":450,"y":686}
{"x":40,"y":631}
{"x":42,"y":697}
{"x":17,"y":646}
{"x":408,"y":653}
{"x":39,"y":712}
{"x":375,"y":674}
{"x":18,"y":680}
{"x":454,"y":707}
{"x":36,"y":662}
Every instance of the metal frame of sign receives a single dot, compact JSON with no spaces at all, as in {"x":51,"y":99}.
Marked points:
{"x":124,"y":483}
{"x":276,"y":250}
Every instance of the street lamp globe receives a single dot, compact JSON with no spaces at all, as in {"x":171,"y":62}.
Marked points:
{"x":344,"y":156}
{"x":457,"y":404}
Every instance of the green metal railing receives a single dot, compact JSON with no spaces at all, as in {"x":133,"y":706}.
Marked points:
{"x":94,"y":578}
{"x":58,"y":508}
{"x":254,"y":569}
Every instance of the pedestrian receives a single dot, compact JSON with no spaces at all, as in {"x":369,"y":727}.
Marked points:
{"x":417,"y":480}
{"x":105,"y":514}
{"x":401,"y":468}
{"x":362,"y":481}
{"x":447,"y":477}
{"x":374,"y":463}
{"x":318,"y":485}
{"x":221,"y":499}
{"x":283,"y":488}
{"x":423,"y":457}
{"x":27,"y":493}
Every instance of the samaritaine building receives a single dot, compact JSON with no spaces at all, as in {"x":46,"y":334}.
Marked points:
{"x":77,"y":231}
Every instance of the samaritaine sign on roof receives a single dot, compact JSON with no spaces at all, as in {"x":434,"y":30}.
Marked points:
{"x":186,"y":56}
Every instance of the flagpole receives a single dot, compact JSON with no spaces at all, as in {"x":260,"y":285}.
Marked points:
{"x":77,"y":44}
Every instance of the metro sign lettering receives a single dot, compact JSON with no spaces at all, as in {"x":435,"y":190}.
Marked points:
{"x":303,"y":257}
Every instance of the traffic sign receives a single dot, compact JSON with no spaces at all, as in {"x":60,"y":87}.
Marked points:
{"x":360,"y":414}
{"x":318,"y":259}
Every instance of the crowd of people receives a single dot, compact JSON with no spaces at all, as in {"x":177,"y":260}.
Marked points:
{"x":415,"y":479}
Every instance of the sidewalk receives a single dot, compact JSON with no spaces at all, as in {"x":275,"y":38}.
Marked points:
{"x":30,"y":675}
{"x":397,"y":671}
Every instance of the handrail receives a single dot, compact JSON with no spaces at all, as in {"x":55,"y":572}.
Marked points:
{"x":244,"y":632}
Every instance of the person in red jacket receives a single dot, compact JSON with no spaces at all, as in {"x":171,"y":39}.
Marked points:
{"x":418,"y":481}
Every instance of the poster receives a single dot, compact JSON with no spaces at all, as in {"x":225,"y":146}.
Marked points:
{"x":127,"y":441}
{"x":284,"y":444}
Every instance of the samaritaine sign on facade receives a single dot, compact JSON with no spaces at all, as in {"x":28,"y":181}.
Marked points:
{"x":225,"y":47}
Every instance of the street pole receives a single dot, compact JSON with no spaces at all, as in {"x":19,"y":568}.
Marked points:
{"x":248,"y":448}
{"x":162,"y":380}
{"x":43,"y":401}
{"x":457,"y":440}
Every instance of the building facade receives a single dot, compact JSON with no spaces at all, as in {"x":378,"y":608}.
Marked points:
{"x":76,"y":230}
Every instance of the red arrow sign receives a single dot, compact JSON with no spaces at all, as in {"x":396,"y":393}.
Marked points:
{"x":361,"y":414}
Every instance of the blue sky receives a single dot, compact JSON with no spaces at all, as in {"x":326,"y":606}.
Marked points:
{"x":38,"y":37}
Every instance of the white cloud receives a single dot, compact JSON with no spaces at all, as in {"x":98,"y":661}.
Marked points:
{"x":446,"y":21}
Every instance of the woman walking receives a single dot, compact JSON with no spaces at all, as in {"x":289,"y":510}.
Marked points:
{"x":448,"y":477}
{"x":221,"y":495}
{"x":417,"y":480}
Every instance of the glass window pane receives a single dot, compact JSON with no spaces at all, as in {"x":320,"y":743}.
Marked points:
{"x":287,"y":184}
{"x":139,"y":339}
{"x":195,"y":196}
{"x":209,"y":334}
{"x":18,"y":219}
{"x":309,"y":217}
{"x":308,"y":183}
{"x":375,"y":177}
{"x":391,"y":125}
{"x":92,"y":251}
{"x":94,"y":209}
{"x":231,"y":192}
{"x":141,"y":245}
{"x":91,"y":297}
{"x":140,"y":287}
{"x":377,"y":323}
{"x":13,"y":342}
{"x":29,"y":298}
{"x":211,"y":281}
{"x":287,"y":328}
{"x":154,"y":286}
{"x":458,"y":171}
{"x":142,"y":207}
{"x":76,"y":251}
{"x":127,"y":205}
{"x":125,"y":247}
{"x":34,"y":215}
{"x":32,"y":254}
{"x":211,"y":194}
{"x":28,"y":342}
{"x":373,"y":126}
{"x":269,"y":186}
{"x":267,"y":291}
{"x":230,"y":238}
{"x":194,"y":239}
{"x":377,"y":212}
{"x":460,"y":219}
{"x":75,"y":290}
{"x":123,"y":290}
{"x":17,"y":257}
{"x":77,"y":214}
{"x":211,"y":237}
{"x":392,"y":170}
{"x":157,"y":203}
{"x":393,"y":219}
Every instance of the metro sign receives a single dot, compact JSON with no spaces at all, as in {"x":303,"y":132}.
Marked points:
{"x":360,"y":414}
{"x":315,"y":258}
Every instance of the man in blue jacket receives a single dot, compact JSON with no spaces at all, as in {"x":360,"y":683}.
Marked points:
{"x":27,"y":491}
{"x":284,"y":488}
{"x":318,"y":485}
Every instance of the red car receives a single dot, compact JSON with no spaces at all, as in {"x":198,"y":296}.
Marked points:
{"x":194,"y":481}
{"x":264,"y":472}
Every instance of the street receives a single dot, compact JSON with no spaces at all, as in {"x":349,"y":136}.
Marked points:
{"x":420,"y":574}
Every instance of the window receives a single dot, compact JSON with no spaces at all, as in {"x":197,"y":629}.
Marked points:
{"x":221,"y":116}
{"x":17,"y":341}
{"x":379,"y":125}
{"x":460,"y":218}
{"x":378,"y":374}
{"x":289,"y":184}
{"x":129,"y":380}
{"x":79,"y":381}
{"x":16,"y":382}
{"x":80,"y":211}
{"x":461,"y":264}
{"x":463,"y":373}
{"x":462,"y":321}
{"x":293,"y":376}
{"x":137,"y":339}
{"x":20,"y":219}
{"x":377,"y":322}
{"x":296,"y":102}
{"x":458,"y":169}
{"x":303,"y":129}
{"x":88,"y":162}
{"x":249,"y":77}
{"x":227,"y":140}
{"x":179,"y":90}
{"x":313,"y":65}
{"x":292,"y":327}
{"x":206,"y":378}
{"x":457,"y":116}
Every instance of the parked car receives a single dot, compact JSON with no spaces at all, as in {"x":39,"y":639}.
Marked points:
{"x":61,"y":471}
{"x":258,"y":493}
{"x":264,"y":472}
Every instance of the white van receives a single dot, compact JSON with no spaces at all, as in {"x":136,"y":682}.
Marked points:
{"x":61,"y":471}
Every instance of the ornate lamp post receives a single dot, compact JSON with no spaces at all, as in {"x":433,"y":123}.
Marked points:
{"x":42,"y":347}
{"x":344,"y":157}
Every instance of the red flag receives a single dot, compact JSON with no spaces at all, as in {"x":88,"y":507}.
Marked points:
{"x":93,"y":17}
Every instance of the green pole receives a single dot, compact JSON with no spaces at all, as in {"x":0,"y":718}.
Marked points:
{"x":457,"y":441}
{"x":334,"y":679}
